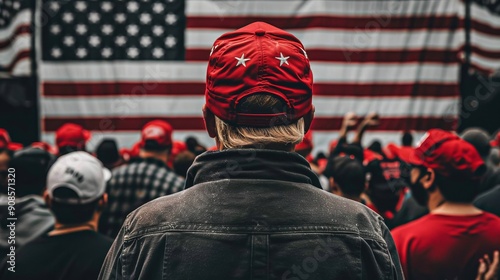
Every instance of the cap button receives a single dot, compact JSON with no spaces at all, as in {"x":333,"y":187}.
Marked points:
{"x":260,"y":32}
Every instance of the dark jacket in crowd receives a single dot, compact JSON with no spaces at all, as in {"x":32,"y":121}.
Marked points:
{"x":252,"y":214}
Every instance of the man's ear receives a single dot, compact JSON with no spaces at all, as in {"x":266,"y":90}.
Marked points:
{"x":428,"y":180}
{"x":209,"y":119}
{"x":308,"y":119}
{"x":46,"y":198}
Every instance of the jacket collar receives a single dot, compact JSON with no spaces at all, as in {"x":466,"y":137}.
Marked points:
{"x":252,"y":164}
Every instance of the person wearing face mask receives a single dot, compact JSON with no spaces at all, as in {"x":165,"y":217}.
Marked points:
{"x":444,"y":173}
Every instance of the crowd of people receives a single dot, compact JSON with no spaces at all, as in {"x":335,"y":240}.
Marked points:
{"x":258,"y":205}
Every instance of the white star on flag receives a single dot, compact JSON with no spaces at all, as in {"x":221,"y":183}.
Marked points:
{"x":171,"y":41}
{"x":132,"y":6}
{"x":107,"y":29}
{"x":69,"y":41}
{"x":81,"y":52}
{"x":133,"y":52}
{"x":55,"y":29}
{"x":283,"y":59}
{"x":81,"y":6}
{"x":157,"y":30}
{"x":145,"y":18}
{"x":94,"y":41}
{"x":106,"y":52}
{"x":241,"y":60}
{"x":81,"y":29}
{"x":68,"y":17}
{"x":56,"y":52}
{"x":157,"y":52}
{"x":120,"y":40}
{"x":158,"y":8}
{"x":145,"y":41}
{"x":120,"y":18}
{"x":171,"y":19}
{"x":106,"y":6}
{"x":94,"y":17}
{"x":132,"y":29}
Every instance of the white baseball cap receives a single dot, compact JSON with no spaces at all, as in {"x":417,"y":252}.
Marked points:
{"x":81,"y":173}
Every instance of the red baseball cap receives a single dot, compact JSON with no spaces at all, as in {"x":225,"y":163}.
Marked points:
{"x":158,"y":131}
{"x":6,"y":143}
{"x":258,"y":58}
{"x":447,"y":154}
{"x":72,"y":135}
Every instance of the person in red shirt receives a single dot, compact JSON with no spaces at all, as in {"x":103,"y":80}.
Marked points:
{"x":444,"y":172}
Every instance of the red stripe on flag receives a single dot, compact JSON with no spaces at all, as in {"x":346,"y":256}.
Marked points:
{"x":20,"y":30}
{"x":485,"y":53}
{"x":196,"y":123}
{"x":137,"y":90}
{"x":371,"y":56}
{"x":388,"y":22}
{"x":485,"y":28}
{"x":20,"y":56}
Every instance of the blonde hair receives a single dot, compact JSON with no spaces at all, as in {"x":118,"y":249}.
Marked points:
{"x":230,"y":136}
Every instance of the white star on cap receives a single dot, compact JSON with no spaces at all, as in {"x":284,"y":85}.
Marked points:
{"x":283,"y":59}
{"x":242,"y":60}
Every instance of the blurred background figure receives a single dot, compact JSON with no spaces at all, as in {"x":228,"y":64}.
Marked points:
{"x":444,"y":174}
{"x":107,"y":152}
{"x":143,"y":178}
{"x":76,"y":195}
{"x":194,"y":146}
{"x":346,"y":177}
{"x":182,"y":162}
{"x":33,"y":217}
{"x":71,"y":137}
{"x":480,"y":139}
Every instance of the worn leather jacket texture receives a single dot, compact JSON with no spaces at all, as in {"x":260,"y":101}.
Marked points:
{"x":252,"y":214}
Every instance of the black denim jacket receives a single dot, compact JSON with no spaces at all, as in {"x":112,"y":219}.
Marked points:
{"x":252,"y":214}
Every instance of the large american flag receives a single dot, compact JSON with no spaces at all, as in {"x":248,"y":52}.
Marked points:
{"x":15,"y":38}
{"x":111,"y":65}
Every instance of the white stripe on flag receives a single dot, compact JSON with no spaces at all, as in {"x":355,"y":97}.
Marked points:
{"x":264,"y":8}
{"x":23,"y":17}
{"x":191,"y":106}
{"x":152,"y":72}
{"x":349,"y":39}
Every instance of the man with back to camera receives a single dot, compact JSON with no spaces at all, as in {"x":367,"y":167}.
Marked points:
{"x":74,"y":250}
{"x":254,"y":209}
{"x":445,"y":173}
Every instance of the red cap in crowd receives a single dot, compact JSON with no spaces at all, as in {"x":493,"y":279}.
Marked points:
{"x":158,"y":131}
{"x":258,"y":58}
{"x":447,"y":154}
{"x":496,"y":141}
{"x":45,"y":146}
{"x":72,"y":135}
{"x":6,"y":143}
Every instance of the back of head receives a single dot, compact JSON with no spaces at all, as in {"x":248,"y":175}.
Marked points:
{"x":407,"y":139}
{"x":31,"y":165}
{"x":182,"y":162}
{"x":156,"y":137}
{"x":259,"y":89}
{"x":479,"y":138}
{"x":75,"y":184}
{"x":348,"y":174}
{"x":456,"y":163}
{"x":107,"y":152}
{"x":71,"y":137}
